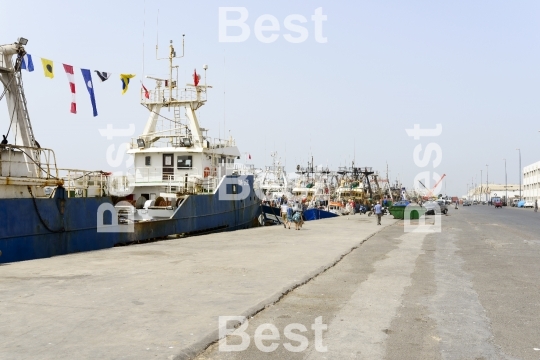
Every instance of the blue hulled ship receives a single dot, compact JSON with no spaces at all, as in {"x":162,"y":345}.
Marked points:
{"x":182,"y":181}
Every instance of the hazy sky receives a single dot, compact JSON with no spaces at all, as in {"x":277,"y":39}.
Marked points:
{"x":472,"y":66}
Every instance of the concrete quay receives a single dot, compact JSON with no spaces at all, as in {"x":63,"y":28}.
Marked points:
{"x":162,"y":300}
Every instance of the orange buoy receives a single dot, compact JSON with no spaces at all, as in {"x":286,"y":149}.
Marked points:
{"x":206,"y":172}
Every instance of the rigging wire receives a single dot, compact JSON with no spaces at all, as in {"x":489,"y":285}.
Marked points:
{"x":6,"y":88}
{"x":17,"y":104}
{"x":14,"y":108}
{"x":61,"y":230}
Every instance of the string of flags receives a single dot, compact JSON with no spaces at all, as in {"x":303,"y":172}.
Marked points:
{"x":48,"y":70}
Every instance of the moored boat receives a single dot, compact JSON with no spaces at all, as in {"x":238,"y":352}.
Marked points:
{"x":80,"y":215}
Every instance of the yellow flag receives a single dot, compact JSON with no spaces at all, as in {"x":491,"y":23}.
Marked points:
{"x":125,"y":81}
{"x":48,"y":68}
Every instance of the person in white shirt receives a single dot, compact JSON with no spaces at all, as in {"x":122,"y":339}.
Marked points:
{"x":284,"y":208}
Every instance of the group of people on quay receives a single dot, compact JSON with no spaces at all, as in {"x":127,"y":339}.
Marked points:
{"x":291,"y":211}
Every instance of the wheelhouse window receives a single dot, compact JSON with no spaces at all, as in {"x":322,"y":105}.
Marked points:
{"x":147,"y":160}
{"x":184,"y":162}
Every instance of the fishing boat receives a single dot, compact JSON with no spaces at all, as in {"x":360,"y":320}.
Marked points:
{"x":273,"y":180}
{"x":354,"y":184}
{"x":46,"y":210}
{"x":337,"y":208}
{"x":274,"y":186}
{"x":314,"y":189}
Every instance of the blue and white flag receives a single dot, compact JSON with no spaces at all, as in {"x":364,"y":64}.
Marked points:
{"x":87,"y":75}
{"x":27,"y":63}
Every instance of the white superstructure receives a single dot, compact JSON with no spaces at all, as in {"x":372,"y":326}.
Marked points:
{"x":174,"y":155}
{"x":273,"y":180}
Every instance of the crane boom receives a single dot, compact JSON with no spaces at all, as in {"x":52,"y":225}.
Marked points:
{"x":437,"y":184}
{"x":430,"y":191}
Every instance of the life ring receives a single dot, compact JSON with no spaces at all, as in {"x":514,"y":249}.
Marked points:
{"x":206,"y":172}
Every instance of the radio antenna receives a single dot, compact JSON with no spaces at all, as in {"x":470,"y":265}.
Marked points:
{"x":157,"y":32}
{"x":224,"y":98}
{"x":144,"y":26}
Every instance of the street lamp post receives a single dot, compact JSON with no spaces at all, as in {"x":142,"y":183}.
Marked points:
{"x":519,"y":173}
{"x":488,"y":195}
{"x":475,"y":184}
{"x":481,"y":187}
{"x":505,"y":182}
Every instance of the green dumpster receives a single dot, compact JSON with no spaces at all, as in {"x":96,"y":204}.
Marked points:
{"x":399,"y":211}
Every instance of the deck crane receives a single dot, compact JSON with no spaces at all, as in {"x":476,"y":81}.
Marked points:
{"x":430,"y":192}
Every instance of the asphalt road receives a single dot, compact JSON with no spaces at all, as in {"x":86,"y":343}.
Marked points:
{"x":471,"y":291}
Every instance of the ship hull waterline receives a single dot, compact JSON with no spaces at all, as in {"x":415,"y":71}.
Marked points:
{"x":41,"y":228}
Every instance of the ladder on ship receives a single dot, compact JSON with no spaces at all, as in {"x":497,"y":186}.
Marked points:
{"x":177,"y":123}
{"x":21,"y":101}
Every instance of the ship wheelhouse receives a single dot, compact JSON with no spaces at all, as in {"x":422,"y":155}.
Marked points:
{"x":174,"y":156}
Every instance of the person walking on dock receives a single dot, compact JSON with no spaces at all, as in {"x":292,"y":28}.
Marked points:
{"x":536,"y":205}
{"x":290,"y":214}
{"x":378,"y":211}
{"x":284,"y":210}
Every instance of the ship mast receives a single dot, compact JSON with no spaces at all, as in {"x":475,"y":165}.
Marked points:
{"x":11,"y":78}
{"x":171,"y":97}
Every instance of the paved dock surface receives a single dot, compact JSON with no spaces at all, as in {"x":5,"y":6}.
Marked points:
{"x":471,"y":291}
{"x":162,"y":300}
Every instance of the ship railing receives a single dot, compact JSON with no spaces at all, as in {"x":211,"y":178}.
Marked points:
{"x":18,"y":161}
{"x":275,"y":168}
{"x":178,"y":94}
{"x":217,"y":143}
{"x":239,"y":169}
{"x":84,"y":183}
{"x":183,"y":180}
{"x":178,"y":136}
{"x":169,"y":139}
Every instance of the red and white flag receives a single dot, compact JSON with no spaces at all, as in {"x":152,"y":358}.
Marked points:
{"x":71,"y":79}
{"x":146,"y":93}
{"x":196,"y":77}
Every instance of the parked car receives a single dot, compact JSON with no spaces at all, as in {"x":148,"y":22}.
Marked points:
{"x":466,"y":203}
{"x":528,"y":204}
{"x":435,"y":207}
{"x":475,"y":202}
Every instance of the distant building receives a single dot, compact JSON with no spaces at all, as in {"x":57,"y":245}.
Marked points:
{"x":531,"y":182}
{"x":487,"y":191}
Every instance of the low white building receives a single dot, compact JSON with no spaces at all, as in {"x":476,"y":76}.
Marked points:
{"x":531,"y":182}
{"x":487,"y":191}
